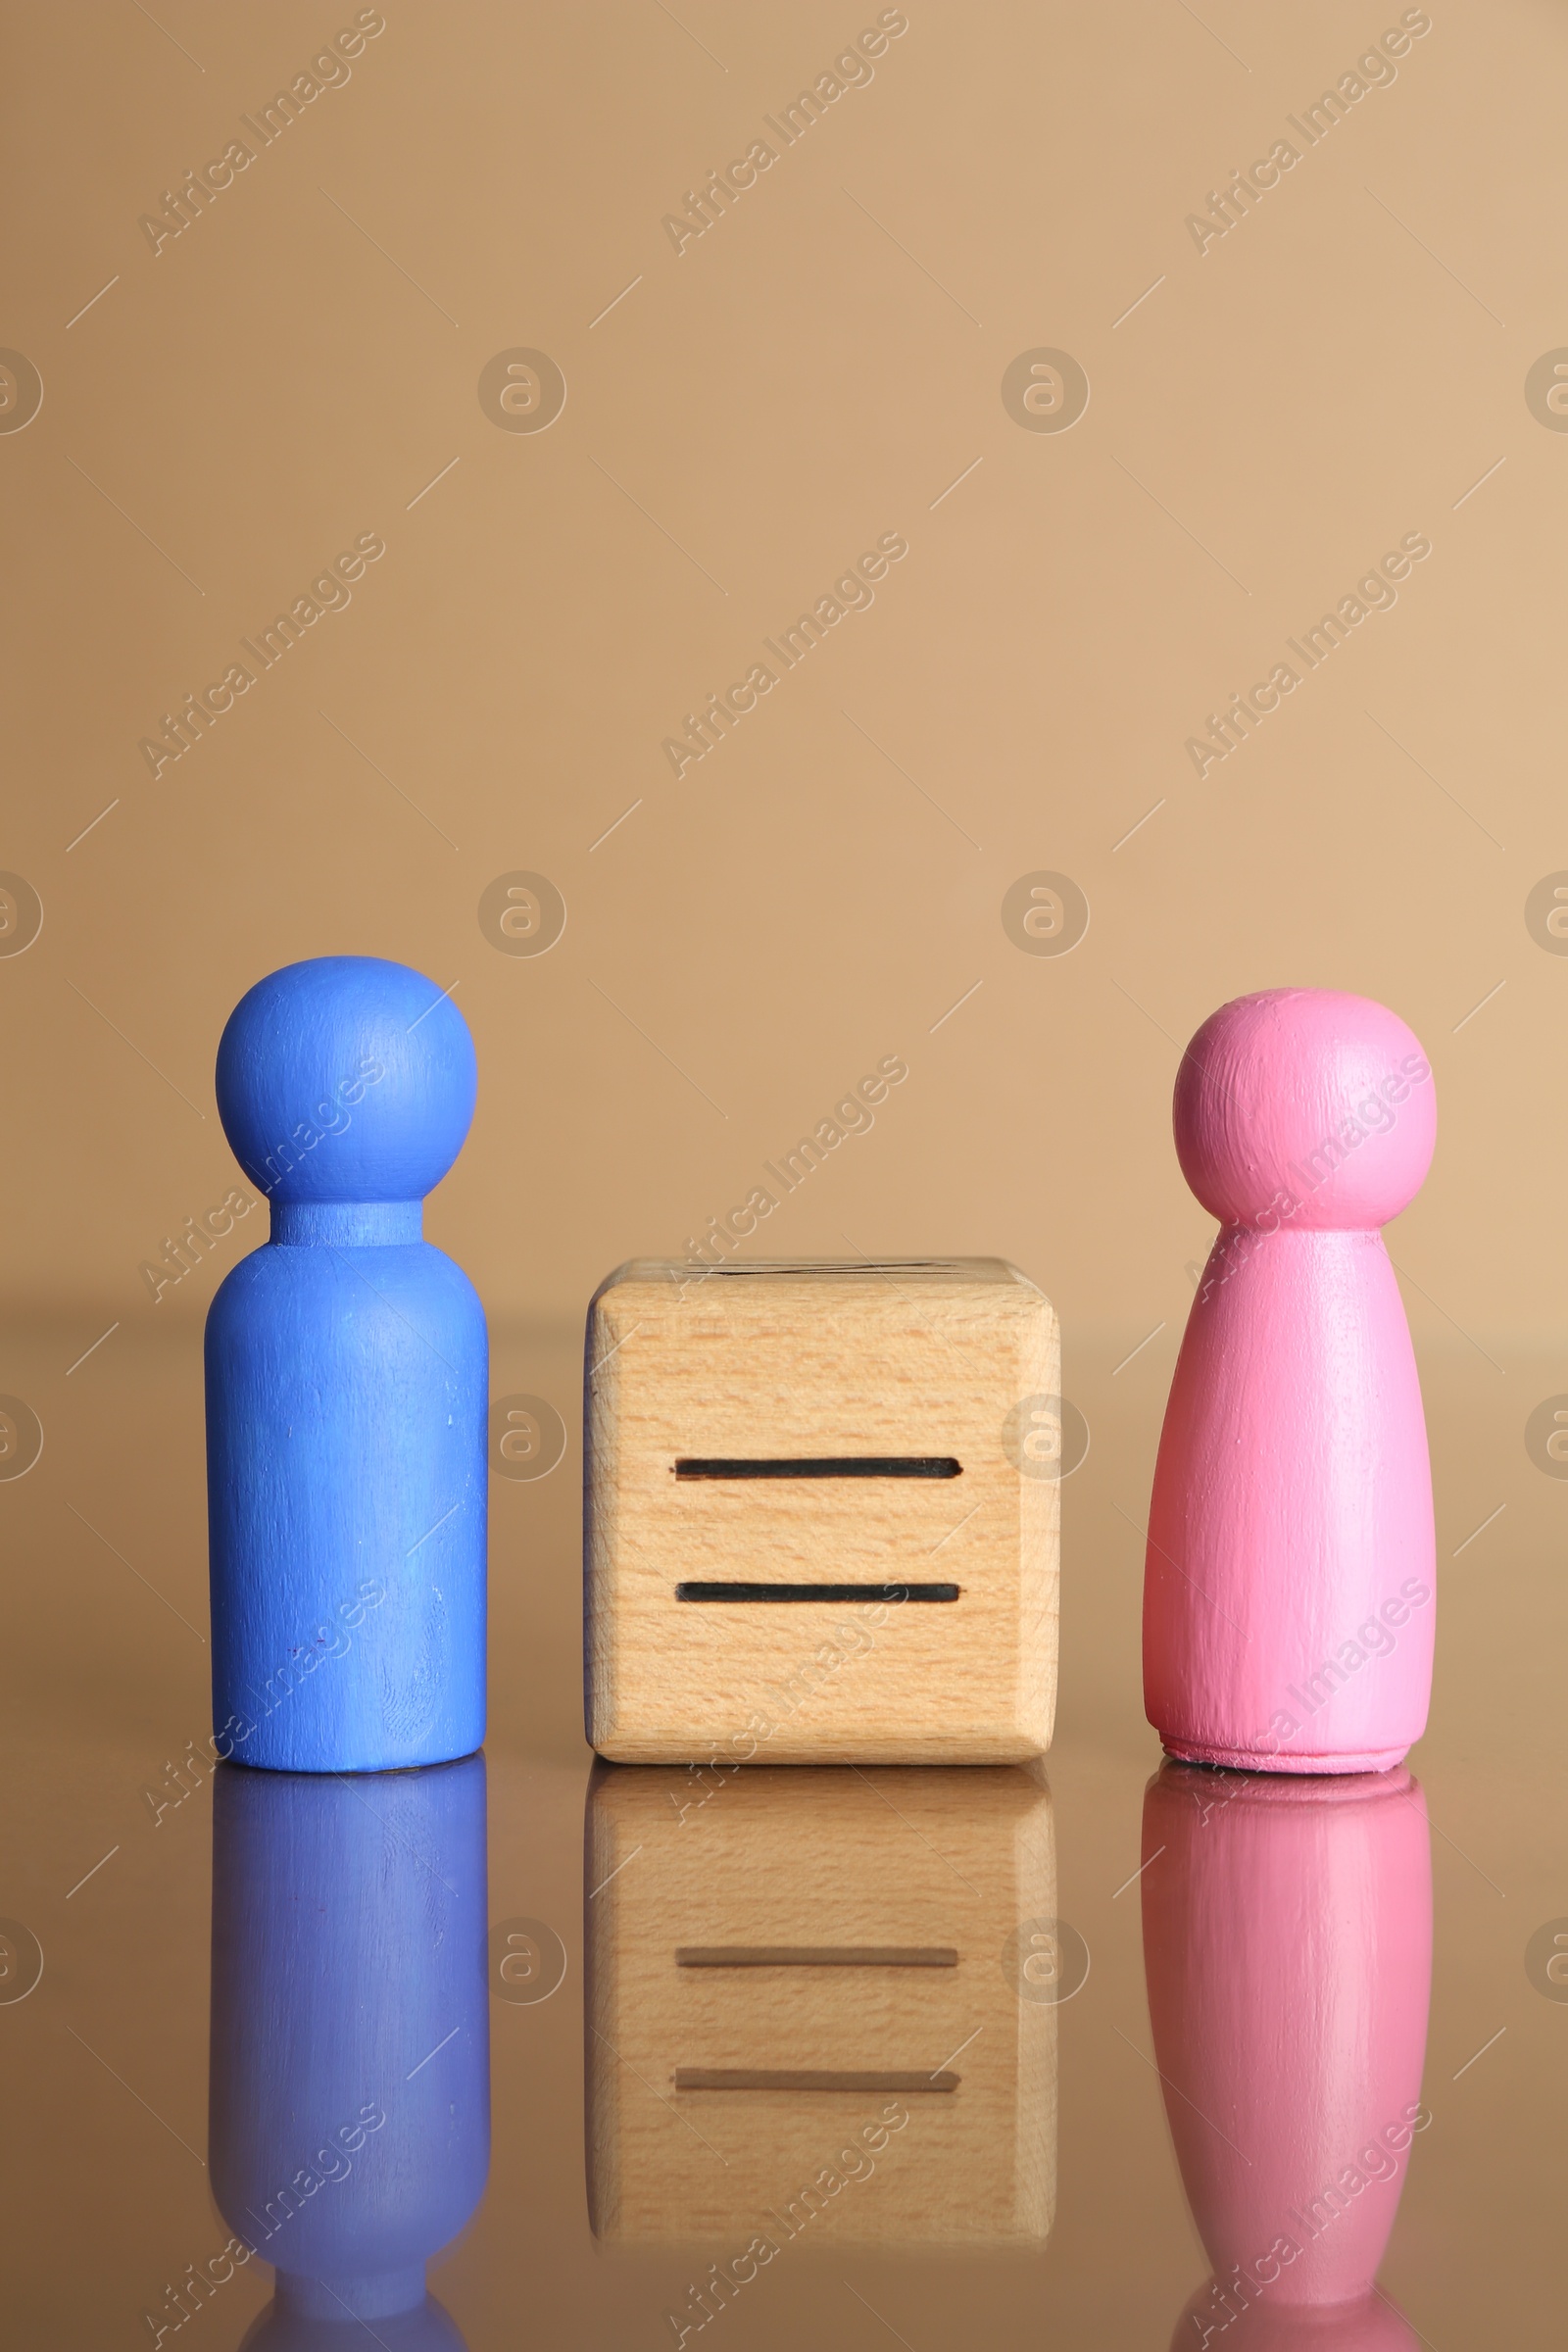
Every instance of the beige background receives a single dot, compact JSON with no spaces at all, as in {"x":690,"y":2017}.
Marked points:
{"x":796,"y":382}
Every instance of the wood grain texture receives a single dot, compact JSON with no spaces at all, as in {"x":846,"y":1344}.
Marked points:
{"x":812,"y":1363}
{"x":899,"y":1861}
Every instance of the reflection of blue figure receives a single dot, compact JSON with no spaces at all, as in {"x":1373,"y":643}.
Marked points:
{"x":350,"y":2125}
{"x":346,"y":1385}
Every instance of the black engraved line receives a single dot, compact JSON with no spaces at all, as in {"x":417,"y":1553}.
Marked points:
{"x":745,"y":2077}
{"x":894,"y":1265}
{"x":755,"y":1592}
{"x":845,"y":1465}
{"x":816,"y":1955}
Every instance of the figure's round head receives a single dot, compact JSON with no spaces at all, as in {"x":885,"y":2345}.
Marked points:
{"x":346,"y":1078}
{"x":1305,"y":1107}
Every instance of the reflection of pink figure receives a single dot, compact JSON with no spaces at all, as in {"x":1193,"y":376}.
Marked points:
{"x":1371,"y":2325}
{"x":1288,"y":1952}
{"x":1287,"y":1594}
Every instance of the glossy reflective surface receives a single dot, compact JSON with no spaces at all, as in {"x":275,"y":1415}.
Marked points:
{"x":523,"y":2049}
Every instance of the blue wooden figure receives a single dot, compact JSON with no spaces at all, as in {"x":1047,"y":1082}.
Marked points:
{"x":349,"y":2098}
{"x":347,"y":1379}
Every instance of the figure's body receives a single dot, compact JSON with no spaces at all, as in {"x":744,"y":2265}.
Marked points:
{"x":1289,"y":1595}
{"x":346,"y":1387}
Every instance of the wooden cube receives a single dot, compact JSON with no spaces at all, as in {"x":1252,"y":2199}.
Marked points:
{"x":822,"y":1513}
{"x":779,"y":1965}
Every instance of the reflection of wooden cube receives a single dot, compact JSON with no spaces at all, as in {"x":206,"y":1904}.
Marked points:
{"x":822,"y":1514}
{"x":847,"y":1928}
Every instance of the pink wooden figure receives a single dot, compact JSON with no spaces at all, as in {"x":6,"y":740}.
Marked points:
{"x":1288,"y":1953}
{"x":1289,"y":1579}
